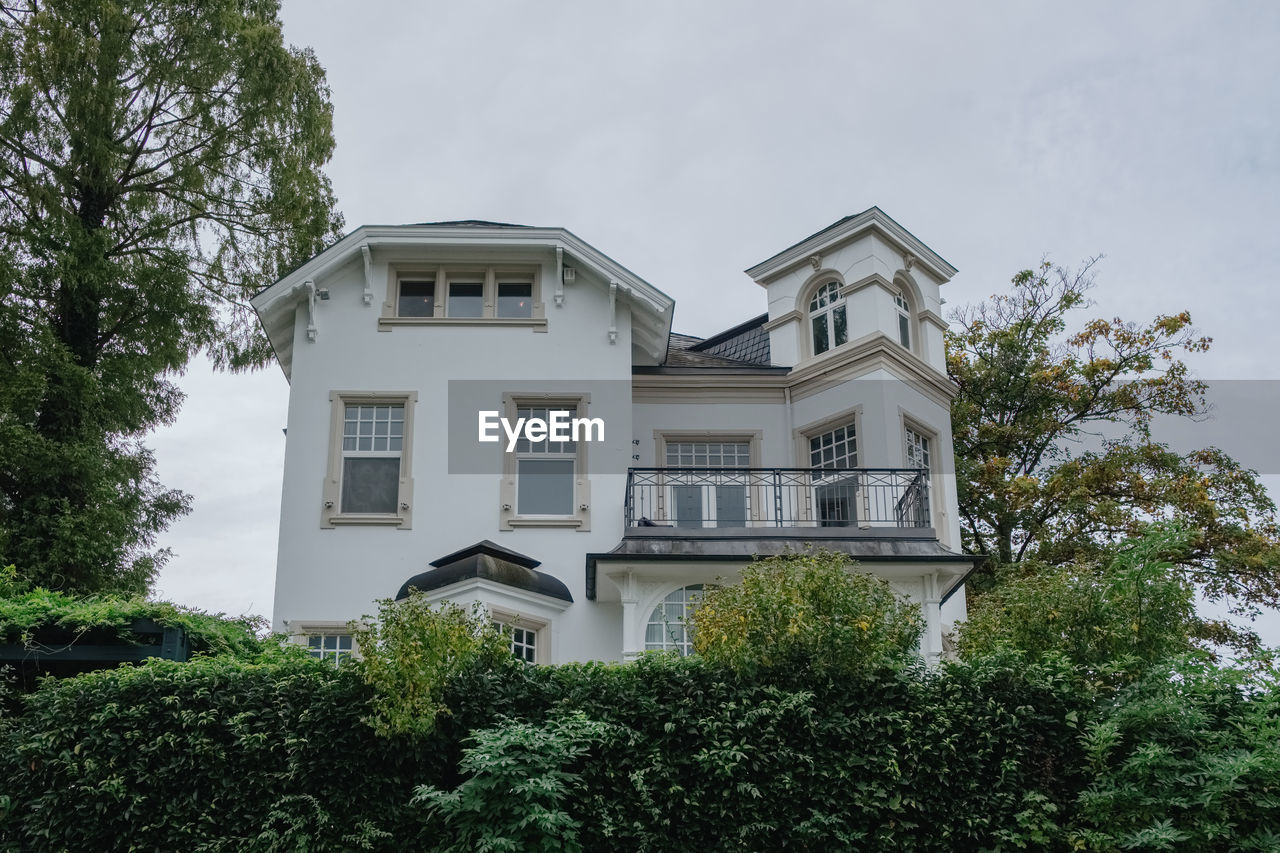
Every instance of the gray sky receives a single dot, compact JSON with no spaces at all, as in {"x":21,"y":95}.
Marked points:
{"x":692,"y":140}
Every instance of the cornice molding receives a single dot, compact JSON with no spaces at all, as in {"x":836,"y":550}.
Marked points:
{"x":792,"y":316}
{"x":872,"y":220}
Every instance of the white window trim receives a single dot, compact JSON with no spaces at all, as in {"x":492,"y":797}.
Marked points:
{"x":440,"y":273}
{"x":331,"y":498}
{"x":936,"y":504}
{"x":810,"y":290}
{"x":665,"y":509}
{"x":300,"y":632}
{"x":654,"y":601}
{"x":540,"y":627}
{"x":509,"y":517}
{"x":802,"y":436}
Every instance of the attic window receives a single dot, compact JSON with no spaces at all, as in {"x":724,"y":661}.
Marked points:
{"x":464,"y":295}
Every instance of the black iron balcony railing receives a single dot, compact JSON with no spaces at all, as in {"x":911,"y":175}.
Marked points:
{"x":705,"y":498}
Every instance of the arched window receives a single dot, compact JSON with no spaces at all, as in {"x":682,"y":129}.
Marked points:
{"x":827,"y":318}
{"x":904,"y":319}
{"x":668,"y":626}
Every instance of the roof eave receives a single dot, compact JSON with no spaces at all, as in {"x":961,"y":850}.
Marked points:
{"x":872,"y":219}
{"x":657,"y":305}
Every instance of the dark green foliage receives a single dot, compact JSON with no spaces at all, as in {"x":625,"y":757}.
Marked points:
{"x":1112,"y":621}
{"x":160,"y":161}
{"x":1003,"y":753}
{"x":109,"y":617}
{"x":214,"y":754}
{"x":1186,"y":759}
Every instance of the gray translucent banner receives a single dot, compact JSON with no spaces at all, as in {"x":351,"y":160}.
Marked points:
{"x":1242,"y":418}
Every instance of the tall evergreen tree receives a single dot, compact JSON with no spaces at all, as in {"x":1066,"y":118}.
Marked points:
{"x":160,"y":160}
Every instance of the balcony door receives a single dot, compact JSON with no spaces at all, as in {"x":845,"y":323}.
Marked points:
{"x":704,"y":490}
{"x":835,"y":495}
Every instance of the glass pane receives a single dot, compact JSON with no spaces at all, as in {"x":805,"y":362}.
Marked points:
{"x":842,"y":331}
{"x":904,"y":331}
{"x":370,"y":485}
{"x":515,"y":300}
{"x":466,"y":299}
{"x":545,"y":487}
{"x":820,"y":344}
{"x":417,"y":299}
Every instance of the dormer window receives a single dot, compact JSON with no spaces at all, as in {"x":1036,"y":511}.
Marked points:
{"x":828,"y":318}
{"x":904,"y":319}
{"x":464,"y":295}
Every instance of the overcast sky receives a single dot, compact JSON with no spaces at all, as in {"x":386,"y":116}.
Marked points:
{"x":691,"y":140}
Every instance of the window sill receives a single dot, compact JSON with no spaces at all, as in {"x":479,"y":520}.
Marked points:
{"x":370,"y":520}
{"x":530,"y":521}
{"x":526,"y":322}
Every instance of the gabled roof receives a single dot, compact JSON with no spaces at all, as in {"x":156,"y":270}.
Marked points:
{"x":276,"y":304}
{"x":871,"y":219}
{"x":488,"y":561}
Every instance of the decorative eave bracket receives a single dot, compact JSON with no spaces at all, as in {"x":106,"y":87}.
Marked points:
{"x":613,"y":312}
{"x":308,"y":291}
{"x":368,"y":274}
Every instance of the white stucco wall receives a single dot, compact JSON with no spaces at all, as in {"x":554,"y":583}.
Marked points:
{"x":332,"y":574}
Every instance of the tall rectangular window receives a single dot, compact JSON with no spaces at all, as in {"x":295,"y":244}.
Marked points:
{"x":835,"y":496}
{"x":372,"y":441}
{"x":545,"y":470}
{"x":708,"y":499}
{"x":917,"y":449}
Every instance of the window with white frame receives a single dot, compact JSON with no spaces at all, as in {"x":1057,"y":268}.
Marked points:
{"x":465,"y":293}
{"x":709,"y":499}
{"x":545,"y":470}
{"x":372,"y":441}
{"x":904,"y":319}
{"x":523,"y":641}
{"x":668,"y":626}
{"x":917,"y":454}
{"x":835,"y":448}
{"x":334,"y":648}
{"x":835,"y":495}
{"x":369,"y":480}
{"x":828,"y":318}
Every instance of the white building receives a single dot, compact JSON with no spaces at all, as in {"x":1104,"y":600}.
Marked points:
{"x":824,"y":422}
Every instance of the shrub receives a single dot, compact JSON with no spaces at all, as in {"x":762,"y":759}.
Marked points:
{"x":213,"y":754}
{"x":806,"y":611}
{"x":23,"y":612}
{"x":412,"y":650}
{"x":522,"y":779}
{"x":1115,"y":620}
{"x":1186,"y":758}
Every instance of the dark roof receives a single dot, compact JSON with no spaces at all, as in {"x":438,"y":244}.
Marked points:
{"x":737,"y":549}
{"x":747,"y":342}
{"x":475,"y":223}
{"x":744,"y":345}
{"x":837,"y":224}
{"x":487,"y":560}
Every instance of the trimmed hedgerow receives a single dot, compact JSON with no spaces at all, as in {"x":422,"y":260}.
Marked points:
{"x":214,"y":754}
{"x":663,"y":754}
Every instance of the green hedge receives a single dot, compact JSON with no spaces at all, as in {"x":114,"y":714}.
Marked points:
{"x":664,"y":754}
{"x":224,"y":755}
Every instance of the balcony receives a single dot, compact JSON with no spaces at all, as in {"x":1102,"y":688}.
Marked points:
{"x":776,"y":501}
